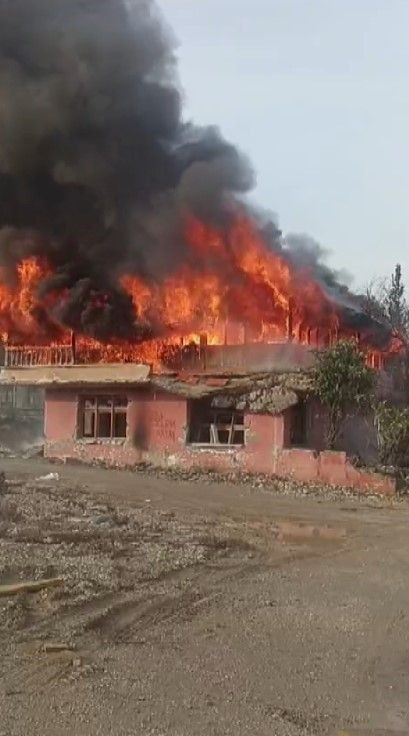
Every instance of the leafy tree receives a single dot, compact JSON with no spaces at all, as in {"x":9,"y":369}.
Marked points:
{"x":392,"y":425}
{"x":343,"y":383}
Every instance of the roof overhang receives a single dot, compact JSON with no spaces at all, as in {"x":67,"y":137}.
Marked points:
{"x":99,"y":374}
{"x":270,"y":393}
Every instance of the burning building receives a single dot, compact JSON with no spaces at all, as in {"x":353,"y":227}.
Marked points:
{"x":126,"y":239}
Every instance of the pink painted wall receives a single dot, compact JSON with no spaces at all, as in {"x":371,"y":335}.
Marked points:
{"x":264,"y":433}
{"x":330,"y":468}
{"x":157,"y":426}
{"x":60,"y":416}
{"x":157,"y":422}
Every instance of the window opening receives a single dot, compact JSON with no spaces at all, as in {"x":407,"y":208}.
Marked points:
{"x":103,"y":417}
{"x":209,"y":426}
{"x":298,"y":431}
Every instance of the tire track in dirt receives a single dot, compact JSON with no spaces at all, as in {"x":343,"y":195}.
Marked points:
{"x":174,"y":598}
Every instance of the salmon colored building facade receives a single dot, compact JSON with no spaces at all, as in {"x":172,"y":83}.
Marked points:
{"x":119,"y":415}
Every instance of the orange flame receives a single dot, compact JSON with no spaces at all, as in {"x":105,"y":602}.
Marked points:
{"x":231,"y":278}
{"x":231,"y":286}
{"x":18,"y":302}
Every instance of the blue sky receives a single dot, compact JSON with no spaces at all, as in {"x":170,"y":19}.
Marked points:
{"x":316,"y":93}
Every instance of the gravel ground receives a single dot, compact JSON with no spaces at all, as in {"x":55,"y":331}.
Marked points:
{"x":191,"y":608}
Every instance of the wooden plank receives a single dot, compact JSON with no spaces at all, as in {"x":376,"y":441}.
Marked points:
{"x":30,"y":586}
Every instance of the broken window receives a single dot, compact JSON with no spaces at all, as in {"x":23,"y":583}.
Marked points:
{"x":103,"y":417}
{"x":212,"y":426}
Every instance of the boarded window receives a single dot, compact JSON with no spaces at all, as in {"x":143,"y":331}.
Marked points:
{"x":210,"y":426}
{"x":103,"y":417}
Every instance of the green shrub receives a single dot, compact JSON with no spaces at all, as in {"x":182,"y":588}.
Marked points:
{"x":344,"y":383}
{"x":392,"y":425}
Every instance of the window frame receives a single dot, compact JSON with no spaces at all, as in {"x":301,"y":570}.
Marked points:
{"x":101,"y":405}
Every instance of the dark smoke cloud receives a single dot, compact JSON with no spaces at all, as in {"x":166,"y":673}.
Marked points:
{"x":306,"y":252}
{"x":98,"y":168}
{"x":96,"y":165}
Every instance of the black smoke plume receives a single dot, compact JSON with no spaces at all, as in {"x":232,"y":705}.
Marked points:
{"x":97,"y":166}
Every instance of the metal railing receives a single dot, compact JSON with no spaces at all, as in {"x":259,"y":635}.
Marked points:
{"x":27,"y":356}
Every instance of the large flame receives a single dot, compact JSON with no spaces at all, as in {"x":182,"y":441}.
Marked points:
{"x":232,"y":288}
{"x":232,"y":282}
{"x":19,"y":301}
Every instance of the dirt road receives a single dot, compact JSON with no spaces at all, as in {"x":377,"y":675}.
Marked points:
{"x":190,"y":608}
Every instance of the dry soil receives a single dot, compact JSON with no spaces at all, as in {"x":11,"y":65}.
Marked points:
{"x":190,"y":608}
